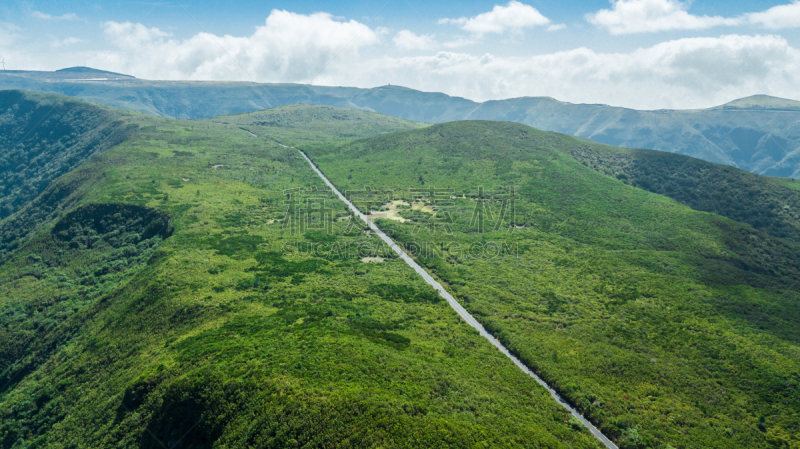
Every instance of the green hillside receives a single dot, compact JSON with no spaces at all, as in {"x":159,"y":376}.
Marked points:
{"x":300,"y":124}
{"x":155,"y":295}
{"x":666,"y":326}
{"x":156,"y":305}
{"x":759,"y":134}
{"x":44,"y":136}
{"x":768,"y":204}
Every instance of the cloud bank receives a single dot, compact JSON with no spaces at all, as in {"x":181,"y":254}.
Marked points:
{"x":288,"y":47}
{"x":649,"y":16}
{"x":683,"y":73}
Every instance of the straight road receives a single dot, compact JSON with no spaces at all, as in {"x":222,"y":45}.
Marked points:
{"x":458,"y":308}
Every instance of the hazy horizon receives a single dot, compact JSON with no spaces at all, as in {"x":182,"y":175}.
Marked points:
{"x":641,"y":54}
{"x":405,"y":87}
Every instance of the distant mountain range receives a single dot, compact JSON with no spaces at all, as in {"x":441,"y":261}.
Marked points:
{"x":760,"y":134}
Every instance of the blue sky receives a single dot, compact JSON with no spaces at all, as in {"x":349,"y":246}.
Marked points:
{"x":646,"y":54}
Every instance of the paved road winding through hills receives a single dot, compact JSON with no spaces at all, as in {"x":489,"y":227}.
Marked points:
{"x":458,"y":308}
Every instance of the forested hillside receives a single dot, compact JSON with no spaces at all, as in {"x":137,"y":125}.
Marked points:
{"x":666,"y":326}
{"x":158,"y":305}
{"x":158,"y":296}
{"x":768,"y":204}
{"x":45,"y":136}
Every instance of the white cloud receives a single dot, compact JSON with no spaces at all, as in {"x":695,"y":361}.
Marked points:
{"x":781,"y":16}
{"x":43,"y":16}
{"x":514,"y":16}
{"x":133,"y":35}
{"x":407,"y":40}
{"x":645,"y":16}
{"x":289,"y":47}
{"x":641,"y":16}
{"x":684,"y":73}
{"x":557,"y":27}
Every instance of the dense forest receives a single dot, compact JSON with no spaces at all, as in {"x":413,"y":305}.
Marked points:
{"x":45,"y":136}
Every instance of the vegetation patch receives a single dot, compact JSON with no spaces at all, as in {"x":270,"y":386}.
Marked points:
{"x":404,"y":293}
{"x":234,"y":246}
{"x":116,"y":225}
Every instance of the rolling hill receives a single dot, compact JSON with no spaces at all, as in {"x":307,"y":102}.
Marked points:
{"x":666,"y":326}
{"x":159,"y":307}
{"x":758,"y":134}
{"x":160,"y":297}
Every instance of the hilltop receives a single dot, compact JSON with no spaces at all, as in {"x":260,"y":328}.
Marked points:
{"x":758,"y":134}
{"x":762,"y":102}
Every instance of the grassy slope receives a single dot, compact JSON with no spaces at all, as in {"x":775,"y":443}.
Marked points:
{"x":300,"y":124}
{"x":218,"y":338}
{"x":768,"y":204}
{"x":665,"y":325}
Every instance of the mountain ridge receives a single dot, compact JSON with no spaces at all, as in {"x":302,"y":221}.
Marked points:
{"x":759,"y":133}
{"x":755,"y":99}
{"x":766,"y":102}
